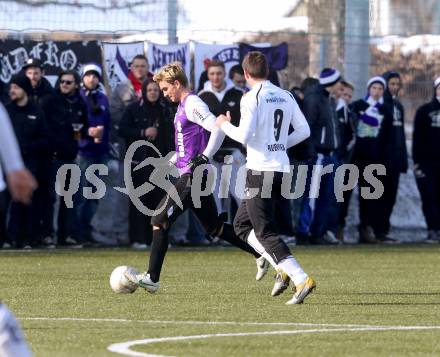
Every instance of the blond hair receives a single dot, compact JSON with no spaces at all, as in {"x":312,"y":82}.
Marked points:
{"x":171,"y":72}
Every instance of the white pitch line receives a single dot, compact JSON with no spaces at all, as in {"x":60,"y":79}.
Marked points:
{"x":124,"y":347}
{"x":189,"y":322}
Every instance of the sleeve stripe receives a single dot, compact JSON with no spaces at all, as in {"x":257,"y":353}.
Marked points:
{"x":259,"y":90}
{"x":291,"y":95}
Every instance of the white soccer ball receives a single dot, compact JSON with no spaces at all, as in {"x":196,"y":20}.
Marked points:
{"x":119,"y":283}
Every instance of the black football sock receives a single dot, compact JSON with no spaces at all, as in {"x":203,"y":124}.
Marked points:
{"x":159,"y":247}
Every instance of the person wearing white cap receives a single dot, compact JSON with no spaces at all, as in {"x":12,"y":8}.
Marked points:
{"x":374,"y":122}
{"x":426,"y":155}
{"x":93,"y":148}
{"x":320,"y":111}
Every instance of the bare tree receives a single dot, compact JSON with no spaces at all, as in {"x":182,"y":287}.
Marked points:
{"x":326,"y":29}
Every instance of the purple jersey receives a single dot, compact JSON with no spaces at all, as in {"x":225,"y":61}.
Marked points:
{"x":190,"y":137}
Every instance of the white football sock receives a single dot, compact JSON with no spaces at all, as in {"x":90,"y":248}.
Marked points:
{"x":291,"y":267}
{"x":254,"y":243}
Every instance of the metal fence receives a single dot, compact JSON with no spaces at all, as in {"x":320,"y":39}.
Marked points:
{"x":360,"y":37}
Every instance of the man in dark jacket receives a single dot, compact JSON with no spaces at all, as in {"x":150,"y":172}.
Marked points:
{"x":221,"y":96}
{"x":68,"y":121}
{"x":29,"y":125}
{"x":426,"y":155}
{"x":149,"y":119}
{"x":41,"y":88}
{"x":41,"y":94}
{"x":319,"y":108}
{"x":395,"y":157}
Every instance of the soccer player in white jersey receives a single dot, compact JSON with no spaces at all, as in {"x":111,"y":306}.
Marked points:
{"x":12,"y":341}
{"x":193,"y":123}
{"x":267,"y":111}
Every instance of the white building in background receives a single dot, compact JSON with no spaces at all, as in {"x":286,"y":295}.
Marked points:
{"x":199,"y":20}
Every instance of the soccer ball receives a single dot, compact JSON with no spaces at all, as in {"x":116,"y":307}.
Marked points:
{"x":119,"y":283}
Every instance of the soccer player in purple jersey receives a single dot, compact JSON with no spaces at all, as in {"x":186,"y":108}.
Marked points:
{"x":194,"y":146}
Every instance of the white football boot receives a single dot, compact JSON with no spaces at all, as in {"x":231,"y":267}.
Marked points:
{"x":143,"y":280}
{"x":262,"y":267}
{"x":302,"y":291}
{"x":281,"y":283}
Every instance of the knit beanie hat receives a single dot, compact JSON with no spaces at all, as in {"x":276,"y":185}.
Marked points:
{"x":23,"y":82}
{"x":329,"y":76}
{"x":92,"y":68}
{"x":376,"y":79}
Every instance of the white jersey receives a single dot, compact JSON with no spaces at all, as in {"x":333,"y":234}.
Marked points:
{"x":267,"y":111}
{"x":12,"y":341}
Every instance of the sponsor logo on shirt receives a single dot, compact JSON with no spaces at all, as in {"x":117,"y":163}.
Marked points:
{"x":276,"y":100}
{"x":198,"y":115}
{"x":276,"y":147}
{"x":180,"y":145}
{"x":32,"y":117}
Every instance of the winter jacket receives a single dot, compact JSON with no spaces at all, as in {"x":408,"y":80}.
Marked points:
{"x":42,"y":95}
{"x":30,"y":128}
{"x":320,"y":112}
{"x":347,"y":130}
{"x":65,"y":112}
{"x":123,"y":95}
{"x":426,"y":135}
{"x":141,"y":115}
{"x":230,"y":102}
{"x":372,"y":130}
{"x":395,"y":155}
{"x":98,"y":113}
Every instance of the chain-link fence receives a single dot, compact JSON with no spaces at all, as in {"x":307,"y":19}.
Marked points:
{"x":398,"y":35}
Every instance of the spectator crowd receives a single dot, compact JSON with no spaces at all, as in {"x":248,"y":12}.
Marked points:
{"x":76,"y":122}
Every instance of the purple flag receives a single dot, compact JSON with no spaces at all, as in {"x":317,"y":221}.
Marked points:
{"x":276,"y":55}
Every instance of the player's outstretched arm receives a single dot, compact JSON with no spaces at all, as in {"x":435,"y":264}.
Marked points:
{"x":248,"y":121}
{"x":214,"y":143}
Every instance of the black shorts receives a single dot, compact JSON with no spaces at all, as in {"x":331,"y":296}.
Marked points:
{"x":206,"y":213}
{"x":258,"y":213}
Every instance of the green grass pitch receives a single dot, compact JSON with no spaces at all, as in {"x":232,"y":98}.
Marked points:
{"x":370,"y":301}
